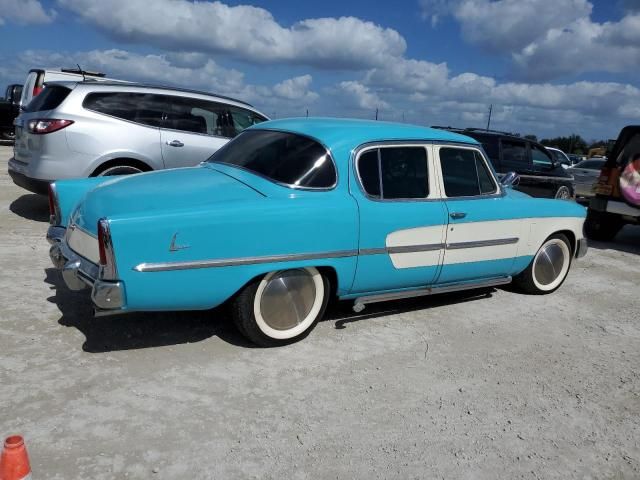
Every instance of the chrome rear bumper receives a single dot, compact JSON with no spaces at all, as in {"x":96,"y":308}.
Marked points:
{"x":79,"y":273}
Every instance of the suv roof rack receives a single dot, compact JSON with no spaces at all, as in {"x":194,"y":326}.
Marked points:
{"x":82,"y":72}
{"x":166,"y":87}
{"x":475,"y":129}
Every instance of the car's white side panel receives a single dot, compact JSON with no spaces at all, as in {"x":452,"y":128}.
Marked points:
{"x":497,"y":230}
{"x":529,"y":232}
{"x":424,"y":236}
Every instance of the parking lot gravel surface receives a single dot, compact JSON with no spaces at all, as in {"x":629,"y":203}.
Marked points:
{"x":481,"y":385}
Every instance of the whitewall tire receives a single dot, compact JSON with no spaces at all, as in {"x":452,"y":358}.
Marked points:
{"x":548,"y":268}
{"x":281,"y":307}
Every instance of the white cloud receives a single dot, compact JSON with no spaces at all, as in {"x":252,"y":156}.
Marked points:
{"x":583,"y":46}
{"x":409,"y":75}
{"x":296,"y":88}
{"x":243,"y":32}
{"x":510,"y":25}
{"x":464,"y":99}
{"x":545,"y":39}
{"x":359,"y":95}
{"x":25,"y":12}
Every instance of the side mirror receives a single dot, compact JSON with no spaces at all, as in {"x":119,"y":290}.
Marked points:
{"x":511,"y":179}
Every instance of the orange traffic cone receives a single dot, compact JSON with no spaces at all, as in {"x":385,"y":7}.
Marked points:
{"x":14,"y":461}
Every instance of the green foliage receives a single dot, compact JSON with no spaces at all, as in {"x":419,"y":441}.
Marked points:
{"x":571,"y":144}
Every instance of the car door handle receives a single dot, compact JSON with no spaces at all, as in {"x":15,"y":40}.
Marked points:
{"x":457,"y":215}
{"x":175,"y":143}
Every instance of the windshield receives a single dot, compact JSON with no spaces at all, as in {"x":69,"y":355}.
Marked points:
{"x":282,"y":157}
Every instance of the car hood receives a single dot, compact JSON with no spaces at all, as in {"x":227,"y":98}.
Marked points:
{"x":156,"y":192}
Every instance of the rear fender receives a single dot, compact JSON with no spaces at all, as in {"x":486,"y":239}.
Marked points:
{"x":68,"y":193}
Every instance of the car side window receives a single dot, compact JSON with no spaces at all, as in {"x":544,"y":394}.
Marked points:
{"x":369,"y":171}
{"x":199,"y":116}
{"x":144,"y":108}
{"x":244,"y":118}
{"x":514,"y":154}
{"x":540,"y":157}
{"x":394,"y":173}
{"x":465,"y":173}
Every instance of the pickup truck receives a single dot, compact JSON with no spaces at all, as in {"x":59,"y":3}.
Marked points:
{"x":9,"y":110}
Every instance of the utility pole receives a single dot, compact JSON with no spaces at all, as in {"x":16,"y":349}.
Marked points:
{"x":376,"y":114}
{"x":489,"y":121}
{"x":402,"y":117}
{"x":307,"y":113}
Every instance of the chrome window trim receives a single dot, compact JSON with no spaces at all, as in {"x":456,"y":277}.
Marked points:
{"x":283,"y":184}
{"x":365,"y":147}
{"x":500,"y":192}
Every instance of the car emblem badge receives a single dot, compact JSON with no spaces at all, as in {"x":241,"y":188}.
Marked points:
{"x":173,"y":247}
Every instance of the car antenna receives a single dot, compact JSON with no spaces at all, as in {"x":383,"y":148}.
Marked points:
{"x":81,"y":72}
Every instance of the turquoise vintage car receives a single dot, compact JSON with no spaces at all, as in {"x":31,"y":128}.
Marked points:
{"x":294,"y":212}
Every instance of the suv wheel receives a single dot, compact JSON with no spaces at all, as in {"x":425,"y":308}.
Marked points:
{"x":600,"y":226}
{"x":118,"y":170}
{"x":563,"y":193}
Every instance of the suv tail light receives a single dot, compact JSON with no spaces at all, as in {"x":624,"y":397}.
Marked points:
{"x":604,"y":184}
{"x":36,"y":91}
{"x":108,"y":269}
{"x":47,"y":125}
{"x":54,"y":207}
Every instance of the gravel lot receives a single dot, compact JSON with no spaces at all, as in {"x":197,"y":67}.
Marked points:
{"x":489,"y":384}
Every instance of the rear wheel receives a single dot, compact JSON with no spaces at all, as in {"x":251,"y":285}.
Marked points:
{"x":599,"y":226}
{"x":549,"y":267}
{"x":563,"y":193}
{"x":118,"y":170}
{"x":281,"y":307}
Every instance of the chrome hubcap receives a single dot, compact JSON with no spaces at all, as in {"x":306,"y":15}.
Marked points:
{"x":287,"y":299}
{"x":549,"y":263}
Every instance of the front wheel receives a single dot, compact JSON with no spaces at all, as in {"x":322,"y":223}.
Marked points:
{"x":281,"y":307}
{"x":549,"y":267}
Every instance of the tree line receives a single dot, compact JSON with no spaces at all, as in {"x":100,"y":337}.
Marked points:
{"x":571,"y":144}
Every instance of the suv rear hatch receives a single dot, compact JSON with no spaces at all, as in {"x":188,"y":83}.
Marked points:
{"x":620,"y":176}
{"x":31,"y":125}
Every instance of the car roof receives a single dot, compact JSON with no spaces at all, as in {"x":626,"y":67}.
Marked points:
{"x":341,"y":133}
{"x":128,"y":85}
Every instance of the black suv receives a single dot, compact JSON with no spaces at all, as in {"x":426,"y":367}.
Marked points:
{"x":540,"y":174}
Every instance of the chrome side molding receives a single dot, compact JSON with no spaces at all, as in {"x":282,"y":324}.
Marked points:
{"x":360,"y":302}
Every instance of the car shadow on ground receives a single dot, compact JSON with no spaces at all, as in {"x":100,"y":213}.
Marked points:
{"x":32,"y":207}
{"x":158,"y":329}
{"x":140,"y":329}
{"x":628,"y":240}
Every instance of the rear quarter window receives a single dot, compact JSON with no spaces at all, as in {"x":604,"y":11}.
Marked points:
{"x":144,"y":108}
{"x":49,"y":99}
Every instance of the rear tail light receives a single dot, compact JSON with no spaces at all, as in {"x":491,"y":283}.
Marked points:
{"x":47,"y":125}
{"x":54,"y":206}
{"x":108,"y":269}
{"x":36,"y":91}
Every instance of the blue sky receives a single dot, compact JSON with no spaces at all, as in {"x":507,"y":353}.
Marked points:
{"x":549,"y":67}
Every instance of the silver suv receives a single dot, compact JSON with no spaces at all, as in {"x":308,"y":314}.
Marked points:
{"x":88,"y":128}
